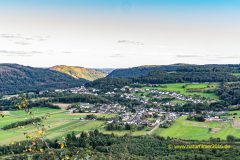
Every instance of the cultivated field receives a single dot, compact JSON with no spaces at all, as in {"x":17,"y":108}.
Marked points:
{"x":58,"y":124}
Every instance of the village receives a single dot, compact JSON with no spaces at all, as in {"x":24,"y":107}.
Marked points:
{"x":140,"y":115}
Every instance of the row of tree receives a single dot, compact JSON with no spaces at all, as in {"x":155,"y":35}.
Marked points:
{"x":85,"y":98}
{"x":21,"y":123}
{"x":120,"y":127}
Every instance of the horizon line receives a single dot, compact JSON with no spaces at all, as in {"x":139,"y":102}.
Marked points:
{"x":144,"y":65}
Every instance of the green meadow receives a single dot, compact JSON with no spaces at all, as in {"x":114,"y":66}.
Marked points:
{"x":193,"y":130}
{"x":236,"y":74}
{"x":190,"y":89}
{"x":58,"y":124}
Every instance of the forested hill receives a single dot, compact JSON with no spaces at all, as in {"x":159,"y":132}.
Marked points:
{"x":140,"y":71}
{"x":80,"y":72}
{"x":169,"y":74}
{"x":16,"y":78}
{"x":146,"y":70}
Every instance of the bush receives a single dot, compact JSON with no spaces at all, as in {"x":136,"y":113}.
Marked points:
{"x":231,"y":138}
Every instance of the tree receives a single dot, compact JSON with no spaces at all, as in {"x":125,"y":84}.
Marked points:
{"x":231,"y":138}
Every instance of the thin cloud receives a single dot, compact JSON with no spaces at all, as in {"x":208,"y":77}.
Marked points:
{"x":22,"y":39}
{"x":66,"y":52}
{"x":19,"y":53}
{"x":188,"y":56}
{"x":11,"y":36}
{"x":118,"y":55}
{"x":227,"y":57}
{"x":43,"y":39}
{"x":22,"y":43}
{"x":130,"y":42}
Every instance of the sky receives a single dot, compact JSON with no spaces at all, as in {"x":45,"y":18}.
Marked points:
{"x":119,"y":33}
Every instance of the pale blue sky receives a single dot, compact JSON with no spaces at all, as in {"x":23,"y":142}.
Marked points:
{"x":119,"y":33}
{"x":116,"y":2}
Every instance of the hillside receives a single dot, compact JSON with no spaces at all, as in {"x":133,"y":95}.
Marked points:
{"x":178,"y":73}
{"x":15,"y":78}
{"x":149,"y":69}
{"x":79,"y":72}
{"x":141,"y":70}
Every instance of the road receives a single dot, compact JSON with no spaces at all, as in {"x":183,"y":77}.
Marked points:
{"x":156,"y":127}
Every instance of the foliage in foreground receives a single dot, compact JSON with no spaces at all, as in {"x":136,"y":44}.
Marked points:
{"x":95,"y":145}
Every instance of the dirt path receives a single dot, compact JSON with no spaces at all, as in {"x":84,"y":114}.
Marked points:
{"x":155,"y":128}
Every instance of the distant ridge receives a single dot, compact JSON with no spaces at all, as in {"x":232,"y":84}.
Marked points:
{"x":142,"y":70}
{"x":80,"y":72}
{"x":104,"y":70}
{"x":146,"y":69}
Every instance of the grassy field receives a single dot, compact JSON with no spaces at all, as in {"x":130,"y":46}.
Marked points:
{"x":189,"y":89}
{"x":185,"y":129}
{"x":236,"y":74}
{"x":59,"y":124}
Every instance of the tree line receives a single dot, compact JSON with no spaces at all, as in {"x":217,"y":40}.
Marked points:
{"x":85,"y":98}
{"x":21,"y":123}
{"x":120,"y":127}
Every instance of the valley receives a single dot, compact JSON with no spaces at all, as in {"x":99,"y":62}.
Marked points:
{"x":179,"y":109}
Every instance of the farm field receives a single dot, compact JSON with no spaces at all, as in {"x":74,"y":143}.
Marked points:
{"x":59,"y":124}
{"x":193,"y":130}
{"x":189,"y":89}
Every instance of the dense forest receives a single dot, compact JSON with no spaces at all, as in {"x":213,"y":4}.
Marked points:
{"x":96,"y":145}
{"x":191,"y":76}
{"x":140,"y":71}
{"x":230,"y":93}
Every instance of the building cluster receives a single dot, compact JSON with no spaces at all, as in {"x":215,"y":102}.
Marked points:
{"x":159,"y":94}
{"x":75,"y":90}
{"x":216,"y":116}
{"x":141,"y":117}
{"x":142,"y":113}
{"x":98,"y":108}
